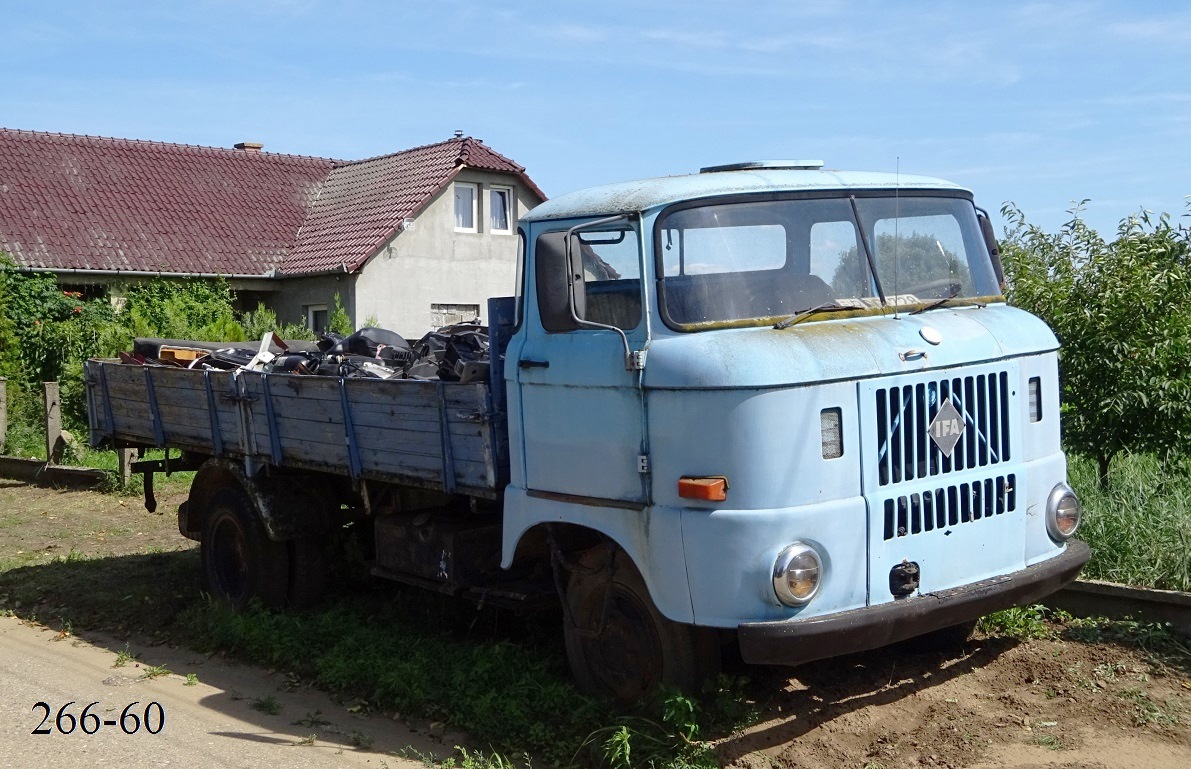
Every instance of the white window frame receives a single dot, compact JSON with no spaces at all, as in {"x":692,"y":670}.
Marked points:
{"x":311,"y":309}
{"x":475,"y":206}
{"x":510,"y":209}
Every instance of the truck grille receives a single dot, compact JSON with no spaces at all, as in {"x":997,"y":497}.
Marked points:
{"x":950,"y":506}
{"x":905,"y":451}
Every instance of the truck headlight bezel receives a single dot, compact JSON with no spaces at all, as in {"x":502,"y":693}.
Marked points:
{"x":797,"y":564}
{"x":1063,"y":508}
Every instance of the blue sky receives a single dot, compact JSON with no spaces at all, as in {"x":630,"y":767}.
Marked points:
{"x":1040,"y":103}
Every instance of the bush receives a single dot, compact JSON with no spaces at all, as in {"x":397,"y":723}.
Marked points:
{"x":1122,"y":312}
{"x":47,"y":333}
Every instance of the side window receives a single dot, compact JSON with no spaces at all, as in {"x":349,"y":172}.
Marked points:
{"x":611,"y":277}
{"x":606,"y":269}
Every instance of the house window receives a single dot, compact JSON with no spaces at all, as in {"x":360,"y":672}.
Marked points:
{"x":448,"y":314}
{"x":317,"y":317}
{"x":466,"y":196}
{"x":500,"y":200}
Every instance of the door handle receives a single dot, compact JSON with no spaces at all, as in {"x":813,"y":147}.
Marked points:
{"x":527,"y":363}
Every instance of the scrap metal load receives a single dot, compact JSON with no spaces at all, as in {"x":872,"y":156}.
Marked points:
{"x":457,"y":353}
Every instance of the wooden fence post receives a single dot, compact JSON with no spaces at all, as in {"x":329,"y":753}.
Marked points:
{"x":3,"y":410}
{"x":53,"y":425}
{"x":125,"y":456}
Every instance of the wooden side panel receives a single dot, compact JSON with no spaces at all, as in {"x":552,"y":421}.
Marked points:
{"x":437,"y":435}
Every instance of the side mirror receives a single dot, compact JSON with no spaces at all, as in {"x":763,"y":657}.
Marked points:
{"x":990,"y":241}
{"x":552,"y":271}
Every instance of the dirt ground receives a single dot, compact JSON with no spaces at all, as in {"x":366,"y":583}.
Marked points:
{"x":996,"y":703}
{"x":1069,"y":701}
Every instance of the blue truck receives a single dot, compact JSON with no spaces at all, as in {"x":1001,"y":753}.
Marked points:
{"x":765,"y":404}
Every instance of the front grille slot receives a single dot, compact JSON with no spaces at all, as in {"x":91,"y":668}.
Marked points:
{"x":905,"y":450}
{"x":950,"y":506}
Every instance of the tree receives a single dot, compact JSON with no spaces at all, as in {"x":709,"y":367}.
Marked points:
{"x":914,"y":260}
{"x":1122,"y":312}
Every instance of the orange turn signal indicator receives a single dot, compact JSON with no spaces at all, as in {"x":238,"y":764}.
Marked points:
{"x":711,"y":488}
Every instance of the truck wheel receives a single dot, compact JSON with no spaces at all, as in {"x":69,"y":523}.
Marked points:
{"x":619,"y":646}
{"x":239,"y":560}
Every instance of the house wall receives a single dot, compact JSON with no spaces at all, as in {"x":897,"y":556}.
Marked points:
{"x":297,"y":294}
{"x":426,"y":264}
{"x":431,"y":263}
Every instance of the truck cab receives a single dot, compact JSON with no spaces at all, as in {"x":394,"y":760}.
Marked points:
{"x":782,"y":406}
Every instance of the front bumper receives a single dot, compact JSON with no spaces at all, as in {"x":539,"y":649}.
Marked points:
{"x":793,"y":642}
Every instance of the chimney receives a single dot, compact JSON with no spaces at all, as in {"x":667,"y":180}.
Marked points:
{"x":249,"y":146}
{"x":458,"y":134}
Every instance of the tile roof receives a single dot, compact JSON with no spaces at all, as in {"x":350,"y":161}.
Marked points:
{"x":94,"y":203}
{"x":364,"y":202}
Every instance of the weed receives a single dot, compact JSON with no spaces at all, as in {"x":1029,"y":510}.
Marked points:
{"x":1146,"y":711}
{"x":308,"y":740}
{"x":191,"y":679}
{"x":475,"y":759}
{"x":1048,"y":741}
{"x":1026,"y":622}
{"x":361,"y":740}
{"x":312,"y":720}
{"x":155,"y":671}
{"x":267,"y":705}
{"x":1110,"y":670}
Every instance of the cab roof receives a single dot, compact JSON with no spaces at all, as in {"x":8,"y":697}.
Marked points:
{"x":646,"y":194}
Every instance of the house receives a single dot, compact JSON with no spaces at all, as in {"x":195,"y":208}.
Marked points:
{"x":413,"y":240}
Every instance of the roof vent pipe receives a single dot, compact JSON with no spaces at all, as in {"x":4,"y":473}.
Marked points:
{"x":458,"y":134}
{"x":249,"y":146}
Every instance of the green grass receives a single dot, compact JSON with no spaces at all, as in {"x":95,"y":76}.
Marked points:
{"x":268,"y":705}
{"x":28,"y":441}
{"x":1139,"y":527}
{"x":425,"y":657}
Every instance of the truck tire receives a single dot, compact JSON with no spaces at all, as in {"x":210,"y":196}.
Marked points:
{"x":239,"y":560}
{"x":618,"y":644}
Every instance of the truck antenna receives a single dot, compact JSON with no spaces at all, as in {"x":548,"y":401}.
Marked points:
{"x":897,"y":183}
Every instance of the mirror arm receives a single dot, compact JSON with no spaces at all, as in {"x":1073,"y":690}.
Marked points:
{"x":632,"y":362}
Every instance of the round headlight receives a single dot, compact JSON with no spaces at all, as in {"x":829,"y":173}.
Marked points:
{"x":797,"y":574}
{"x":1063,"y":512}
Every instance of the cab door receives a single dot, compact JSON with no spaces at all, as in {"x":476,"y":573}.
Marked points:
{"x":581,"y":408}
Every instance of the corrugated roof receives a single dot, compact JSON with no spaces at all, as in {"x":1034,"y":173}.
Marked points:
{"x":96,"y":203}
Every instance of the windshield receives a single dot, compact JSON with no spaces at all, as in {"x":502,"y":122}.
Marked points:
{"x":769,"y":259}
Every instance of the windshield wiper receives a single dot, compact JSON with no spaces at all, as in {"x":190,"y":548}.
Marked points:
{"x":825,"y":307}
{"x":940,"y":302}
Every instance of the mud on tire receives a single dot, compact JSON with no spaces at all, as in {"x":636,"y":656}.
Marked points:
{"x":618,"y":644}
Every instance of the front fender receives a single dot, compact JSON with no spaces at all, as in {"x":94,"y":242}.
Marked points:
{"x":652,"y":540}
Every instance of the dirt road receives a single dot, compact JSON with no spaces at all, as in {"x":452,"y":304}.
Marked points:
{"x":1081,"y":699}
{"x":225,"y":716}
